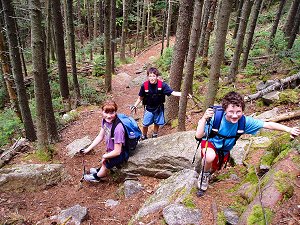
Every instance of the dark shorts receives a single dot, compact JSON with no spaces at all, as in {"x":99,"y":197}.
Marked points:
{"x":216,"y":163}
{"x":116,"y":161}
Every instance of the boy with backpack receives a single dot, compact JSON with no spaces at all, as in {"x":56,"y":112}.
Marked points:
{"x":114,"y":132}
{"x":152,"y":94}
{"x":220,"y":128}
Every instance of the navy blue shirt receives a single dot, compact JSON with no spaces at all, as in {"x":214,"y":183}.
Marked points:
{"x":154,"y":99}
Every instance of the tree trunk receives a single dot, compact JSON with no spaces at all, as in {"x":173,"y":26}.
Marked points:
{"x":218,"y":52}
{"x":168,"y":31}
{"x":290,"y":20}
{"x":137,"y":26}
{"x":90,"y":32}
{"x":237,"y":20}
{"x":68,"y":55}
{"x":143,"y":24}
{"x":17,"y":69}
{"x":60,"y":52}
{"x":113,"y":34}
{"x":249,"y":38}
{"x":73,"y":50}
{"x":295,"y":30}
{"x":209,"y":29}
{"x":276,"y":22}
{"x":48,"y":31}
{"x":240,"y":39}
{"x":38,"y":70}
{"x":101,"y":25}
{"x":204,"y":25}
{"x":107,"y":14}
{"x":188,"y":78}
{"x":179,"y":53}
{"x":124,"y":31}
{"x":95,"y":19}
{"x":148,"y":20}
{"x":163,"y":33}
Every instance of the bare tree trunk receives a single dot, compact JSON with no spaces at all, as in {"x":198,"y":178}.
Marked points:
{"x":218,"y":52}
{"x":124,"y":31}
{"x":48,"y":31}
{"x":143,"y":25}
{"x":169,"y":23}
{"x":240,"y":39}
{"x":107,"y":14}
{"x":180,"y":50}
{"x":68,"y":55}
{"x":17,"y":69}
{"x":137,"y":27}
{"x":238,"y":17}
{"x":209,"y":29}
{"x":163,"y":33}
{"x":188,"y":78}
{"x":148,"y":20}
{"x":290,"y":20}
{"x":204,"y":22}
{"x":101,"y":25}
{"x":113,"y":34}
{"x":73,"y":50}
{"x":249,"y":38}
{"x":61,"y":55}
{"x":39,"y":71}
{"x":295,"y":30}
{"x":89,"y":21}
{"x":276,"y":22}
{"x":95,"y":17}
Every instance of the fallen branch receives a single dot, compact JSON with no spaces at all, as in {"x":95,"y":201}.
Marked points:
{"x":278,"y":85}
{"x":20,"y":145}
{"x":285,"y":116}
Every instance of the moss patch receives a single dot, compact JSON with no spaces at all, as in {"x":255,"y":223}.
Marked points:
{"x":221,"y":219}
{"x":188,"y":202}
{"x":283,"y":182}
{"x":257,"y":216}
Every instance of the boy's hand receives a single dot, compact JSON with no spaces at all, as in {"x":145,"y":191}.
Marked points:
{"x":294,"y":131}
{"x":208,"y":114}
{"x":189,"y":96}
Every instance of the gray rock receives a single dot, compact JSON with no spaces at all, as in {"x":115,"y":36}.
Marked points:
{"x":111,"y":203}
{"x":131,"y":187}
{"x":268,"y":114}
{"x":172,"y":190}
{"x":30,"y":177}
{"x":232,"y":217}
{"x":139,"y":80}
{"x":178,"y":214}
{"x":271,"y":97}
{"x":163,"y":156}
{"x":77,"y":214}
{"x":78,"y":144}
{"x":238,"y":151}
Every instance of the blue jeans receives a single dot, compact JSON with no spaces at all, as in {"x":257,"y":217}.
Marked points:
{"x":156,"y":117}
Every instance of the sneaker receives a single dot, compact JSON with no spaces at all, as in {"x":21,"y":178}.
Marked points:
{"x":205,"y":180}
{"x":91,"y":177}
{"x":154,"y":135}
{"x":144,"y":137}
{"x":94,"y":170}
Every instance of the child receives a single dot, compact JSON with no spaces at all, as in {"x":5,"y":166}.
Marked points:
{"x":114,"y":155}
{"x":233,"y":105}
{"x":153,"y":98}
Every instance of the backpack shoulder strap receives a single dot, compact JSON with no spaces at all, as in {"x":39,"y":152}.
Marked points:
{"x":217,"y":122}
{"x":116,"y":122}
{"x":241,"y":126}
{"x":146,"y":86}
{"x":159,"y":85}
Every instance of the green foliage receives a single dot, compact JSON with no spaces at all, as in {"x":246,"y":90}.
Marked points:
{"x":174,"y":123}
{"x":90,"y":94}
{"x":279,"y":43}
{"x":266,"y":17}
{"x":283,"y":182}
{"x":99,"y":65}
{"x":42,"y":155}
{"x":188,"y":202}
{"x":164,"y":62}
{"x":289,"y":96}
{"x":251,"y":176}
{"x":257,"y":216}
{"x":239,"y":205}
{"x":281,"y":143}
{"x":10,"y":126}
{"x":221,"y":219}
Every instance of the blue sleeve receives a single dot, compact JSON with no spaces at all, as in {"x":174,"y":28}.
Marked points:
{"x":253,"y":125}
{"x":167,"y":90}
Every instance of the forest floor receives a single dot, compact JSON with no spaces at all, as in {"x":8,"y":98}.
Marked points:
{"x":33,"y":207}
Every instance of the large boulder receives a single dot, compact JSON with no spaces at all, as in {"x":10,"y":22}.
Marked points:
{"x":162,"y":156}
{"x":30,"y":177}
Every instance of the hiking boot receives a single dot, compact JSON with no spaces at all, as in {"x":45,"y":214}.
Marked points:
{"x":205,"y":180}
{"x":154,"y":135}
{"x":91,"y":177}
{"x":144,"y":137}
{"x":94,"y":170}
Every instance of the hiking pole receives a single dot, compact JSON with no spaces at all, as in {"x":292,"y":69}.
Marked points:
{"x":83,"y":165}
{"x":199,"y":142}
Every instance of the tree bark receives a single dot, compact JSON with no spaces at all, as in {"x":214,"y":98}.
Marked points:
{"x":17,"y":69}
{"x":38,"y":70}
{"x":124,"y":31}
{"x":207,"y":6}
{"x":237,"y":20}
{"x":60,"y":52}
{"x":276,"y":22}
{"x":250,"y":35}
{"x":188,"y":78}
{"x":143,"y":24}
{"x":95,"y":17}
{"x":137,"y":26}
{"x":163,"y":33}
{"x":290,"y":20}
{"x":240,"y":39}
{"x":73,"y":50}
{"x":107,"y":46}
{"x":113,"y":34}
{"x":277,"y":85}
{"x":169,"y":20}
{"x":285,"y":116}
{"x":218,"y":52}
{"x":179,"y":53}
{"x":295,"y":30}
{"x":90,"y":32}
{"x":101,"y":25}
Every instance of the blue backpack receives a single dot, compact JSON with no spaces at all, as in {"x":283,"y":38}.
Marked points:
{"x":132,"y":133}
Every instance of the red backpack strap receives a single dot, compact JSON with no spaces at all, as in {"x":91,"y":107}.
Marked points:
{"x":146,"y":86}
{"x":159,"y":85}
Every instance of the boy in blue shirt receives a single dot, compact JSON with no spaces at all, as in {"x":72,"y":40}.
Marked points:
{"x":233,"y":105}
{"x":152,"y":94}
